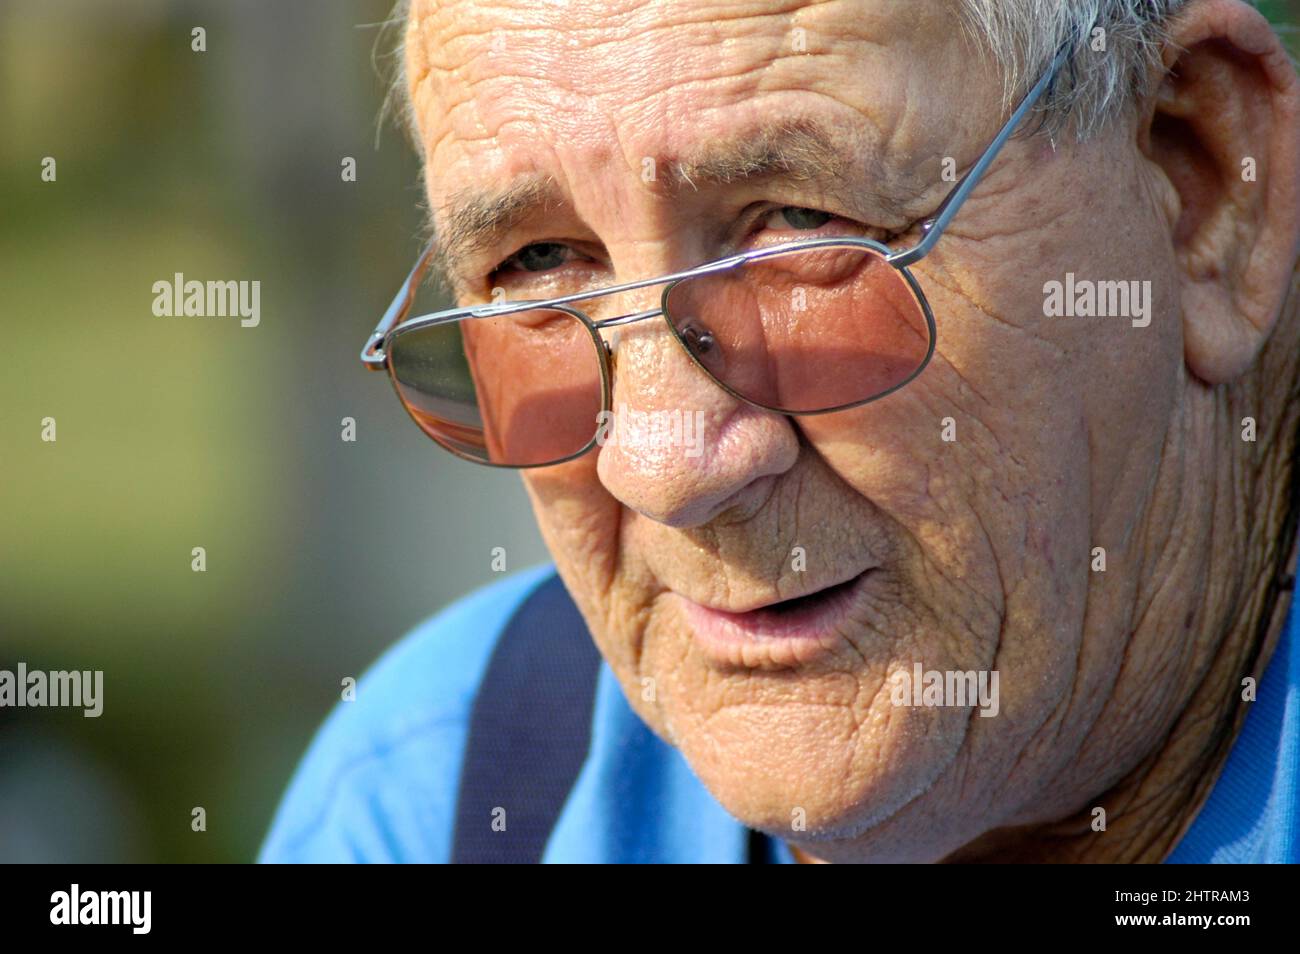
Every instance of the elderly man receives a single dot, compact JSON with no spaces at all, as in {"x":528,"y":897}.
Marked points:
{"x":907,"y":394}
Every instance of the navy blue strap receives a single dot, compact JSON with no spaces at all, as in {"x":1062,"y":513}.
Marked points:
{"x":529,"y":733}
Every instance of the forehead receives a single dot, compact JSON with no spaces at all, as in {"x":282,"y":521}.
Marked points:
{"x":475,"y":66}
{"x":505,"y":90}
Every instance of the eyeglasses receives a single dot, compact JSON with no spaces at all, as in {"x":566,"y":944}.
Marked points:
{"x":804,"y":327}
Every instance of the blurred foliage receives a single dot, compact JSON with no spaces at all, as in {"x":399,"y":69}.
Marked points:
{"x":1285,"y":16}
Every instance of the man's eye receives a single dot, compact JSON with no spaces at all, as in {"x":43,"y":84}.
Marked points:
{"x":538,"y":257}
{"x":794,"y":217}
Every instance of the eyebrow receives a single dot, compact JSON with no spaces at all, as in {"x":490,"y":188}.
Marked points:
{"x":797,"y":149}
{"x":476,"y":219}
{"x":801,"y":149}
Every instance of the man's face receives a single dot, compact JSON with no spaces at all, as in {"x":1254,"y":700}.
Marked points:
{"x":964,"y":507}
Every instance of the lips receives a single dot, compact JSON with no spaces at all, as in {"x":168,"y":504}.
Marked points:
{"x":787,"y":631}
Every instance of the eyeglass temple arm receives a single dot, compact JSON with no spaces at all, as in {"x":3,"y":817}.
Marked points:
{"x":935,"y":225}
{"x":372,"y":355}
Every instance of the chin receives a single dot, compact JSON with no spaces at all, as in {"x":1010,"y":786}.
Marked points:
{"x":795,"y":758}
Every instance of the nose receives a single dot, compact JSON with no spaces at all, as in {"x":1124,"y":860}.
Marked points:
{"x":678,"y":448}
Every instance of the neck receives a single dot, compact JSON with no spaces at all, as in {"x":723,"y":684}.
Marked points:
{"x":1152,"y":807}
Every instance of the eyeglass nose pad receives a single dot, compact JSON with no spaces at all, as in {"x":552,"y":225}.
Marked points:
{"x":700,"y":342}
{"x":702,"y":346}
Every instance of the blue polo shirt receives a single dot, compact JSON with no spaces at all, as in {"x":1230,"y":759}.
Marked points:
{"x":380,"y":780}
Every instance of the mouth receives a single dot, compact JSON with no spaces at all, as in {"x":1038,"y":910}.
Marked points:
{"x":786,"y":631}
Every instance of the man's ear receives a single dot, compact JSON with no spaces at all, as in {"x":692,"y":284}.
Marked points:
{"x":1224,"y":127}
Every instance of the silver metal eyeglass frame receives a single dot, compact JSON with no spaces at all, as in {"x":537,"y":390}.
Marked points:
{"x":374,"y":355}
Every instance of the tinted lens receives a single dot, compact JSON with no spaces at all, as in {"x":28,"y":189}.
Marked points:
{"x":517,"y":390}
{"x":804,"y":331}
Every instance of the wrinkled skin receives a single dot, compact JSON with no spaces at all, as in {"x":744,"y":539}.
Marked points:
{"x":1070,"y":433}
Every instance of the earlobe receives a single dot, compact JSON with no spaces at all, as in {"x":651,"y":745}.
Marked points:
{"x":1225,"y":131}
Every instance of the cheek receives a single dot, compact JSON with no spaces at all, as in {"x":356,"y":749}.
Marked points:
{"x":582,"y":525}
{"x":986,"y":494}
{"x":579,"y":521}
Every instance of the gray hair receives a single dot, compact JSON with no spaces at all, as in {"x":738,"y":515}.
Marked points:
{"x":1115,"y":52}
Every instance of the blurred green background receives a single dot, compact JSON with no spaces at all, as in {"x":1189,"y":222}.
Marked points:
{"x":182,"y":432}
{"x":185,"y":432}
